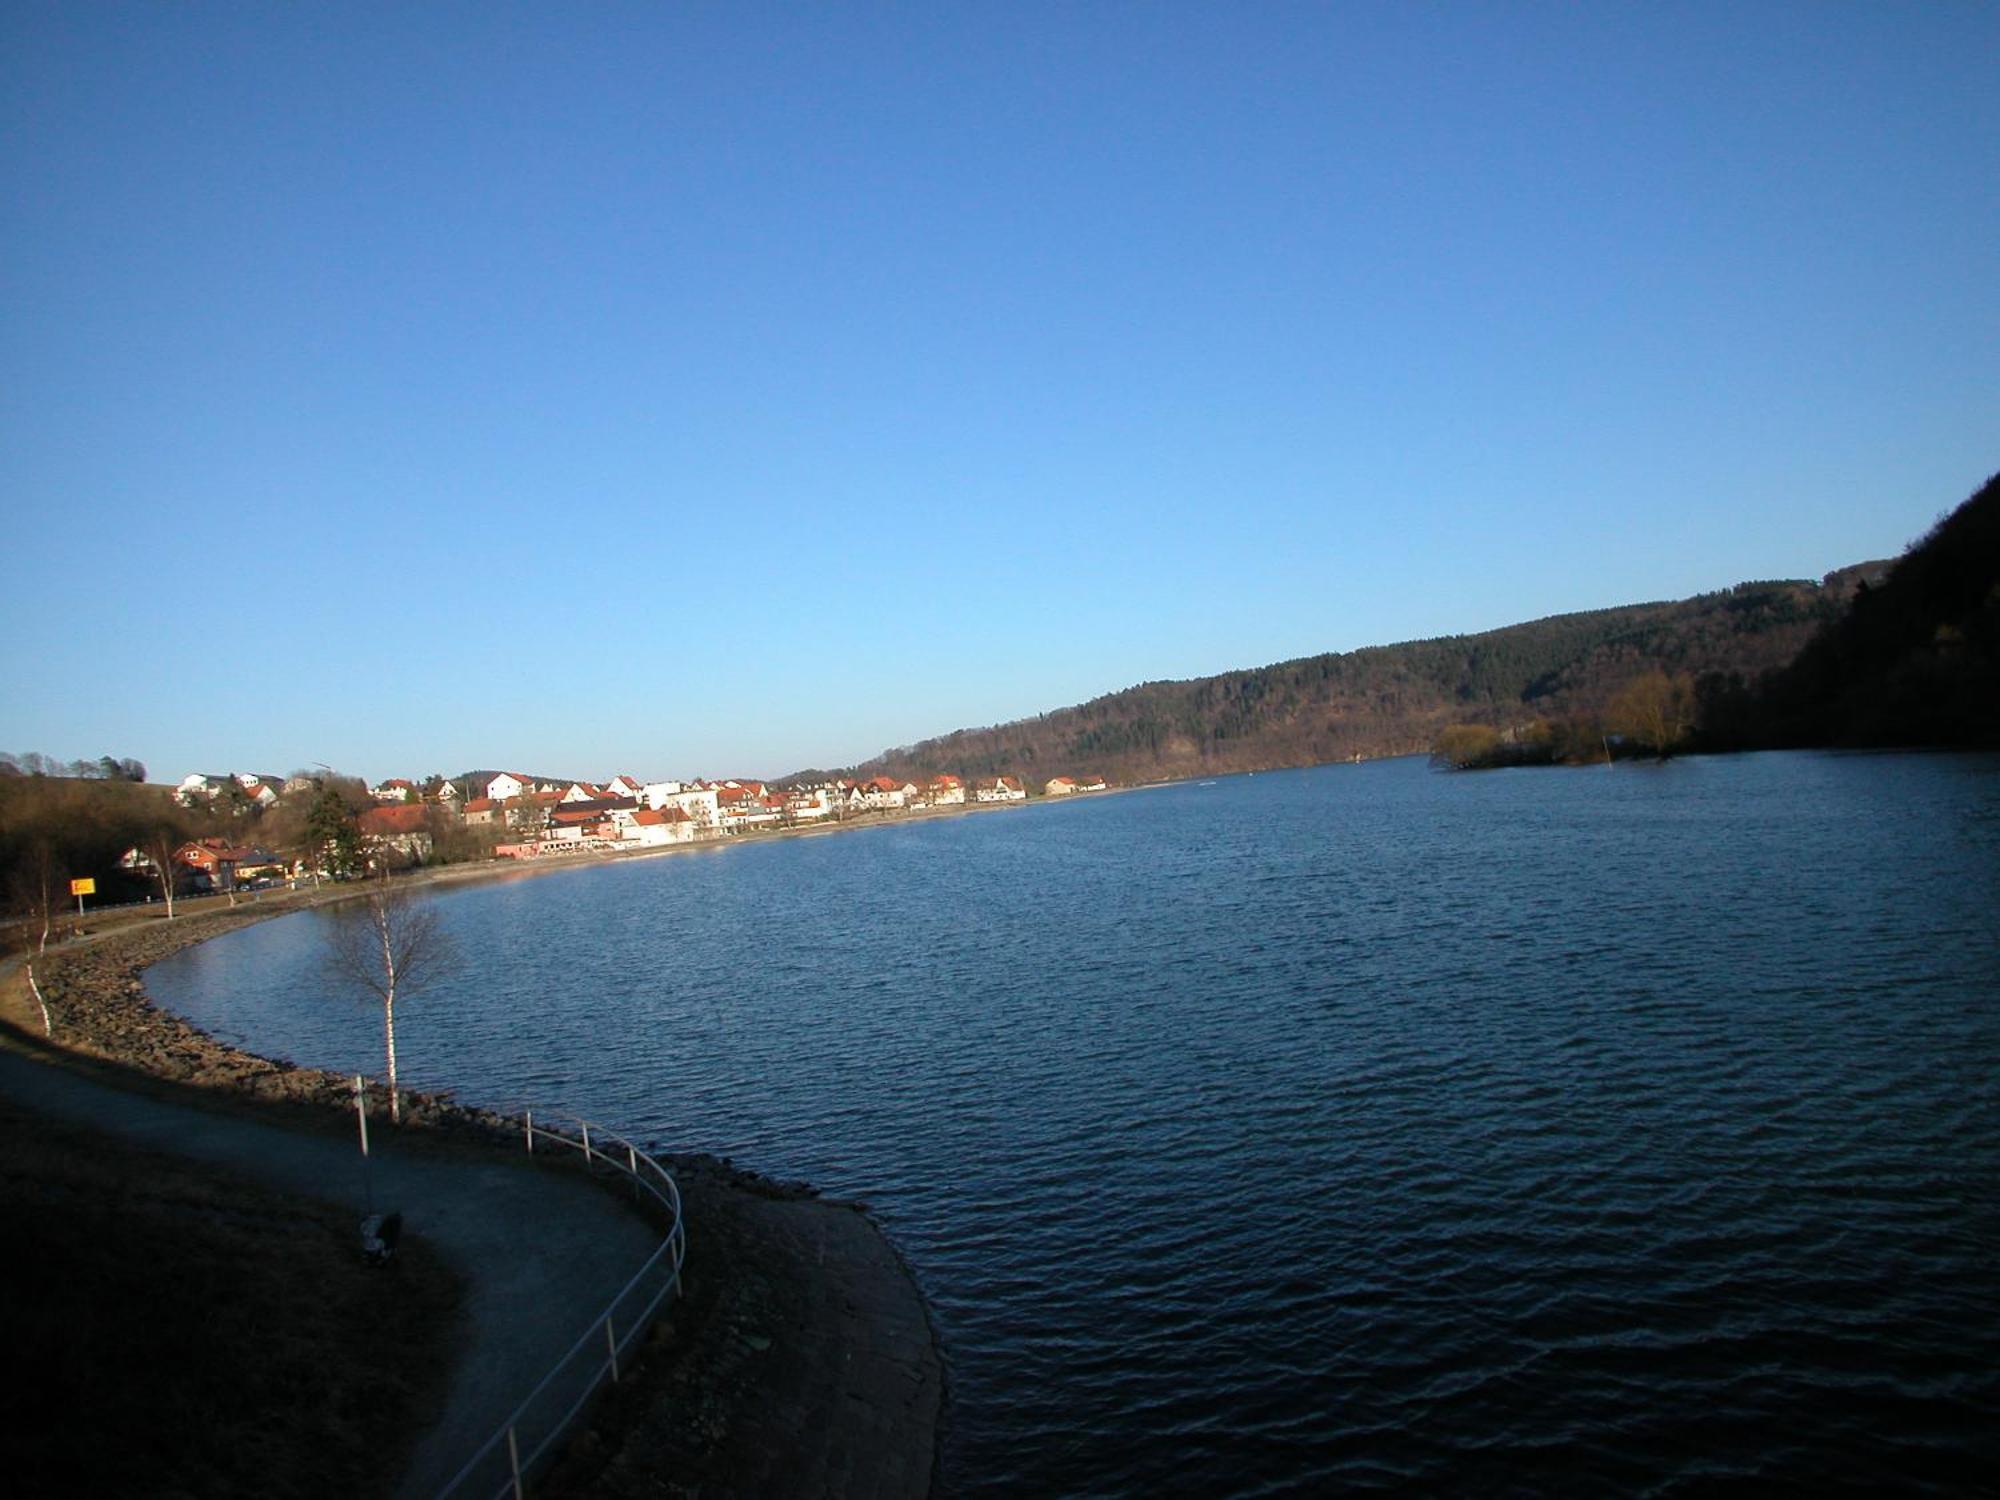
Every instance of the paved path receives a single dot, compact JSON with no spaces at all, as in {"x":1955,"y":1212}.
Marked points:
{"x":541,"y":1253}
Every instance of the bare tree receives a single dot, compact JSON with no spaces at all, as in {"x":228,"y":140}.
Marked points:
{"x":390,"y":945}
{"x":39,"y":884}
{"x":159,"y":850}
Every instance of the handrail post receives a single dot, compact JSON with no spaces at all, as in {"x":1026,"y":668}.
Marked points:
{"x":514,"y":1461}
{"x":586,"y":1140}
{"x":531,"y":1131}
{"x":611,"y":1343}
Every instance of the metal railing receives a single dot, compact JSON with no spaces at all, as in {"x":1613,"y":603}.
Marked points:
{"x":503,"y":1464}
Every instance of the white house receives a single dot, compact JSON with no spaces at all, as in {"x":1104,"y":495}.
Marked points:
{"x":649,"y":829}
{"x":698,"y":802}
{"x":506,"y":786}
{"x":880,"y":794}
{"x":197,"y":788}
{"x":947,"y":791}
{"x":803,"y":805}
{"x":999,"y":789}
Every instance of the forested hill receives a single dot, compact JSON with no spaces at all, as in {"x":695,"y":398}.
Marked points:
{"x":1391,"y":700}
{"x":1916,"y":661}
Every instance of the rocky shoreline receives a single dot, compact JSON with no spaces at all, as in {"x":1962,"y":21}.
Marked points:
{"x":802,"y":1359}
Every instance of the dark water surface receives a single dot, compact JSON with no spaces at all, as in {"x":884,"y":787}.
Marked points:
{"x":1604,"y":1131}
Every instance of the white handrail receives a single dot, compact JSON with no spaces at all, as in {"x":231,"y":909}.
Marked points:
{"x":647,"y":1176}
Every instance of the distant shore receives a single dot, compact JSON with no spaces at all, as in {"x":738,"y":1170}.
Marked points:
{"x":509,"y":868}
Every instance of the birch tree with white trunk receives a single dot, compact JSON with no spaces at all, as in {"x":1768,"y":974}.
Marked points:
{"x":387,"y":943}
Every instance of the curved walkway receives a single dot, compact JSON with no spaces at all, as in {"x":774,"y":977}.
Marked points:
{"x":542,"y":1253}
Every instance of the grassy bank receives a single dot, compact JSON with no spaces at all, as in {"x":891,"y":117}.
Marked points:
{"x":174,"y":1329}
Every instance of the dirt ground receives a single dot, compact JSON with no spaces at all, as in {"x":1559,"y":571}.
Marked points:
{"x":174,"y":1329}
{"x":800,"y":1363}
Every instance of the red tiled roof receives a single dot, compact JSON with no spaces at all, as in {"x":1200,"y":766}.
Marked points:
{"x":481,"y":804}
{"x":406,"y":818}
{"x":645,"y":817}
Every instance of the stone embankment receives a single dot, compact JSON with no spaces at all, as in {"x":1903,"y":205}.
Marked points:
{"x":98,"y":1006}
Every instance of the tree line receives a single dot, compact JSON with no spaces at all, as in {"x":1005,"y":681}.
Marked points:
{"x":1912,"y":658}
{"x":1565,"y":670}
{"x":104,"y":768}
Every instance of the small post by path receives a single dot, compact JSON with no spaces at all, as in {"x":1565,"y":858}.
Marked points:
{"x":361,"y":1117}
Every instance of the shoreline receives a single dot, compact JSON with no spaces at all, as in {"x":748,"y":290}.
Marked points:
{"x":803,"y":1340}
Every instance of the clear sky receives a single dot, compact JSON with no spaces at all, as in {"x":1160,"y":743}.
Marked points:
{"x":724,"y":390}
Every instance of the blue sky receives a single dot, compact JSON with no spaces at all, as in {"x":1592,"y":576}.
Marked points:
{"x":725,"y":390}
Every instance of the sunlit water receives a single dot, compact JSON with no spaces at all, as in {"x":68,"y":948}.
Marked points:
{"x":1607,"y":1131}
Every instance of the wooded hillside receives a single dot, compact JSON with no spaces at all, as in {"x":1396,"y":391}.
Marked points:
{"x":1391,"y":700}
{"x":1915,"y":661}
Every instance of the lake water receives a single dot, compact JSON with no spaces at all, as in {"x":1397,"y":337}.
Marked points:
{"x":1611,"y":1131}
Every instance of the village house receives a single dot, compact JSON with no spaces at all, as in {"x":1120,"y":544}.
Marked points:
{"x":506,"y":786}
{"x":402,"y":827}
{"x":946,"y":791}
{"x":218,"y":865}
{"x":738,"y":807}
{"x":479,"y":811}
{"x":538,"y":848}
{"x":700,"y":803}
{"x":199,"y":788}
{"x":651,"y":829}
{"x":805,"y":805}
{"x":395,"y":789}
{"x":611,"y":812}
{"x":879,"y":794}
{"x":999,"y":789}
{"x":1059,"y":786}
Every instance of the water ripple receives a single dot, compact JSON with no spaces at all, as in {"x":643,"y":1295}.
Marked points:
{"x":1350,"y":1129}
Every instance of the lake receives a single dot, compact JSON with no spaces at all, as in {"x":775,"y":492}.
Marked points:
{"x":1610,"y":1130}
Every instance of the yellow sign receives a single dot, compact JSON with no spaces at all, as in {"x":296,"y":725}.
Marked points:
{"x":83,"y":887}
